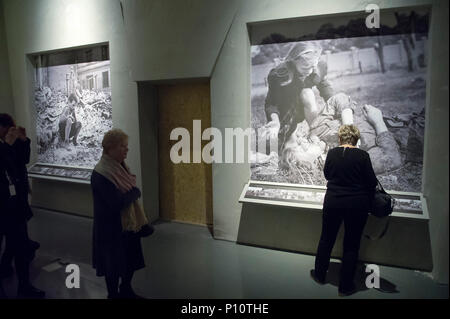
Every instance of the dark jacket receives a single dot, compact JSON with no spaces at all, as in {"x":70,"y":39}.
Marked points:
{"x":351,"y":179}
{"x":284,"y":99}
{"x":114,"y":252}
{"x":13,"y":160}
{"x":283,"y":96}
{"x":21,"y":151}
{"x":5,"y":166}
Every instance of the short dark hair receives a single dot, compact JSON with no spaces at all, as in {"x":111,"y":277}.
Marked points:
{"x":72,"y":98}
{"x":6,"y":120}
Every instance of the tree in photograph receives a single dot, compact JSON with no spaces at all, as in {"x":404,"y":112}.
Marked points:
{"x":407,"y":24}
{"x":379,"y":50}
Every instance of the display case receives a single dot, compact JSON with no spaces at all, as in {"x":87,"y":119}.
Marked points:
{"x":289,"y":217}
{"x":60,"y":173}
{"x":283,"y":201}
{"x":406,"y":204}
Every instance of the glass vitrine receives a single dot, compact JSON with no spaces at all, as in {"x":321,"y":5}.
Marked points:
{"x":62,"y":173}
{"x":307,"y":196}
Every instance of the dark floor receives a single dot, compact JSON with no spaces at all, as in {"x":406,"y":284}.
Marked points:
{"x":184,"y":261}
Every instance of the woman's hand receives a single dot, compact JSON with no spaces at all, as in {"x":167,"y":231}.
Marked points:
{"x":273,"y":127}
{"x":22,"y":133}
{"x":137,"y":192}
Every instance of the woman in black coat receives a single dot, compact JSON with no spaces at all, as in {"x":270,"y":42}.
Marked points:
{"x":350,"y":189}
{"x":14,"y":208}
{"x":117,"y":252}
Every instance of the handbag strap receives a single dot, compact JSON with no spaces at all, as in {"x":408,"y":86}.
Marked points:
{"x":390,"y":196}
{"x":381,"y":186}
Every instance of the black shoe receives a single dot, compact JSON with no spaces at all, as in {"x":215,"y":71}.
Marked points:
{"x":346,"y":293}
{"x":30,"y":292}
{"x":313,"y":276}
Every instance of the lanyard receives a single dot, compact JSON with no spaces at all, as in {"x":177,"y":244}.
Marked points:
{"x":9,"y":179}
{"x":6,"y":171}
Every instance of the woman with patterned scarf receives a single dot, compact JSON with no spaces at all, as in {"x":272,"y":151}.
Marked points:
{"x":119,"y":221}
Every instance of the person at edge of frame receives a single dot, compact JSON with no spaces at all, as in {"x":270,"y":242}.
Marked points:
{"x":14,"y":208}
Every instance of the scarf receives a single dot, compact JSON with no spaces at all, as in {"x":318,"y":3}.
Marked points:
{"x":133,"y":216}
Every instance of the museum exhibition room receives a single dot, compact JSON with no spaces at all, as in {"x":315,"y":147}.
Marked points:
{"x":192,"y":150}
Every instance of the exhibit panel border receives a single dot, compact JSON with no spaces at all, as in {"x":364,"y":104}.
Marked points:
{"x":406,"y":204}
{"x":72,"y":107}
{"x":310,"y":75}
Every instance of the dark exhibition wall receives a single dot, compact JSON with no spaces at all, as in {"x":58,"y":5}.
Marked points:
{"x":159,"y":43}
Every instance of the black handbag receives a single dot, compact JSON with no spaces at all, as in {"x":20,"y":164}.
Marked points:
{"x":382,"y":203}
{"x":382,"y":206}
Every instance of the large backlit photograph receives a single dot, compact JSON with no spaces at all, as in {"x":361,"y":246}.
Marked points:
{"x":73,"y":106}
{"x":302,"y":91}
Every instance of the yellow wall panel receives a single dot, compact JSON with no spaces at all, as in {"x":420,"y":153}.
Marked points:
{"x":185,"y":188}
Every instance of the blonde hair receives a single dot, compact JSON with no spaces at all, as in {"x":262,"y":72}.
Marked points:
{"x":112,"y":138}
{"x":348,"y":134}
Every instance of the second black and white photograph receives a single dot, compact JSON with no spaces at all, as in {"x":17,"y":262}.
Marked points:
{"x":73,"y":111}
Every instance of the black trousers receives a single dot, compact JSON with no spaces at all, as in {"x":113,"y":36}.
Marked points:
{"x":354,"y":222}
{"x":17,"y":237}
{"x":8,"y":254}
{"x":17,"y":241}
{"x":74,"y":130}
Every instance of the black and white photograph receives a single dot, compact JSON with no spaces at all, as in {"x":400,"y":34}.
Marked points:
{"x":406,"y":205}
{"x":283,"y":194}
{"x":73,"y":111}
{"x":302,"y":91}
{"x":65,"y":172}
{"x":402,"y":203}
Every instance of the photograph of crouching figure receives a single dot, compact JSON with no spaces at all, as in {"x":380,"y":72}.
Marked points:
{"x":69,"y":127}
{"x":73,"y":111}
{"x":302,"y":92}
